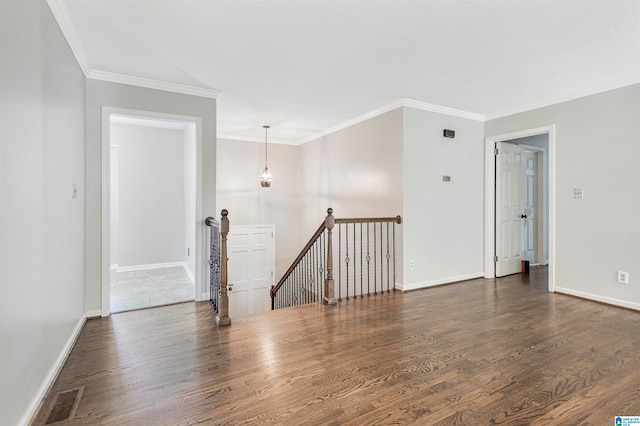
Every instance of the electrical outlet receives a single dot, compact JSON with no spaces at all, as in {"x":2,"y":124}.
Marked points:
{"x":578,"y":193}
{"x":623,"y":277}
{"x":412,"y":264}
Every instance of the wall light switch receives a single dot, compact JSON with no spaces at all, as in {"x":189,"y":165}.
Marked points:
{"x":74,"y":191}
{"x":446,"y":178}
{"x":578,"y":193}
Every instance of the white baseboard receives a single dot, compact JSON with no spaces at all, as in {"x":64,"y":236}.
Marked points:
{"x":598,"y":298}
{"x":50,"y":379}
{"x":150,"y":266}
{"x":439,"y":281}
{"x":94,"y":314}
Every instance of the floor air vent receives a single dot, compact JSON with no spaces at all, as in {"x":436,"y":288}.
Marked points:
{"x":64,"y":406}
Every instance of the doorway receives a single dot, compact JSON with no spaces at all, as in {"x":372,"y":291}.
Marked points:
{"x":152,"y":241}
{"x":251,"y":269}
{"x":519,"y":201}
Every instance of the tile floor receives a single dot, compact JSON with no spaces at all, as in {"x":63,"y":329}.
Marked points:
{"x":152,"y":287}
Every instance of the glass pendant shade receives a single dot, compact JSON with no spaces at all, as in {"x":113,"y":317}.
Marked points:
{"x":265,"y":177}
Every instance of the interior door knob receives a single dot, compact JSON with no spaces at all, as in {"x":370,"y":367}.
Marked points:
{"x":524,"y":216}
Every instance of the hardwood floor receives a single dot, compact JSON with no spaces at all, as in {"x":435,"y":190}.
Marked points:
{"x":476,"y":353}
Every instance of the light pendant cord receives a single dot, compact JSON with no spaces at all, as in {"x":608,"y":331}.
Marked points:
{"x":266,"y":128}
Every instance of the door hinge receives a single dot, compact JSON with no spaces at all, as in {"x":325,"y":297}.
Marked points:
{"x":496,"y":151}
{"x":495,"y":259}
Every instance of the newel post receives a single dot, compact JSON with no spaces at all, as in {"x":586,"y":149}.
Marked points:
{"x":329,"y":287}
{"x":223,"y":312}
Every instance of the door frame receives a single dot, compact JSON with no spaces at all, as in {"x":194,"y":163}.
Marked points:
{"x":200,"y":287}
{"x":490,"y":196}
{"x":541,"y":151}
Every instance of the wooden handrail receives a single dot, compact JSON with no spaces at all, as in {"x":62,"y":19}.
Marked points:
{"x":319,"y":231}
{"x":396,"y":219}
{"x":326,"y":225}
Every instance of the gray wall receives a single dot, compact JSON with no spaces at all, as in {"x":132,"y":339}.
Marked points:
{"x":151,"y":181}
{"x":443,"y":221}
{"x":190,"y":198}
{"x":41,"y":225}
{"x":101,"y":93}
{"x":596,"y":149}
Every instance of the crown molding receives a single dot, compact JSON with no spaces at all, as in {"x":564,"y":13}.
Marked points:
{"x":153,"y":84}
{"x":403,"y":102}
{"x":411,"y":103}
{"x":69,"y":31}
{"x":558,"y":100}
{"x":359,"y":119}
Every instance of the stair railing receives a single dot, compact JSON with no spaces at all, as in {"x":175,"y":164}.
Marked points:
{"x":218,"y":273}
{"x":365,"y":255}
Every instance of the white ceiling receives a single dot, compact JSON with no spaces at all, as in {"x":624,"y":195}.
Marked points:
{"x":307,"y":66}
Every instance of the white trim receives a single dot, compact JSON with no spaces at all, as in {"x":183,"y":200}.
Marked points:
{"x":439,"y":281}
{"x":558,"y":100}
{"x":201,"y":245}
{"x":50,"y":379}
{"x":65,"y":23}
{"x":153,"y":84}
{"x":410,"y":103}
{"x":598,"y":298}
{"x":540,"y":232}
{"x":489,"y":186}
{"x":150,"y":266}
{"x":404,"y":102}
{"x":93,"y":314}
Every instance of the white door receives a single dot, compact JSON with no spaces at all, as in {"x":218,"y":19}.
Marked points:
{"x":529,"y":237}
{"x":250,"y":268}
{"x":509,"y":208}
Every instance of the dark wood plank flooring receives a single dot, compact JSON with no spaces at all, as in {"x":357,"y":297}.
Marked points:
{"x":481,"y":352}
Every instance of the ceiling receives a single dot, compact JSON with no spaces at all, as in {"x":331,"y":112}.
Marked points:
{"x":306,"y":67}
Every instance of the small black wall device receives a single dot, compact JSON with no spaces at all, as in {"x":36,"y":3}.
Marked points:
{"x":449,"y":133}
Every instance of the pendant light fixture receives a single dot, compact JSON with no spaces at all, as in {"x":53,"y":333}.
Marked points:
{"x":265,"y":178}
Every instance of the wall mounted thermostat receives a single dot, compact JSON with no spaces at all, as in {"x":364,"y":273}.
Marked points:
{"x":449,"y":133}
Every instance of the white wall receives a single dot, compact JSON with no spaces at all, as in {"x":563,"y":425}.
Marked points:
{"x":151,"y":182}
{"x":115,"y":95}
{"x":443,"y":221}
{"x":596,"y":149}
{"x":239,"y":167}
{"x":356,"y":171}
{"x":41,"y":225}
